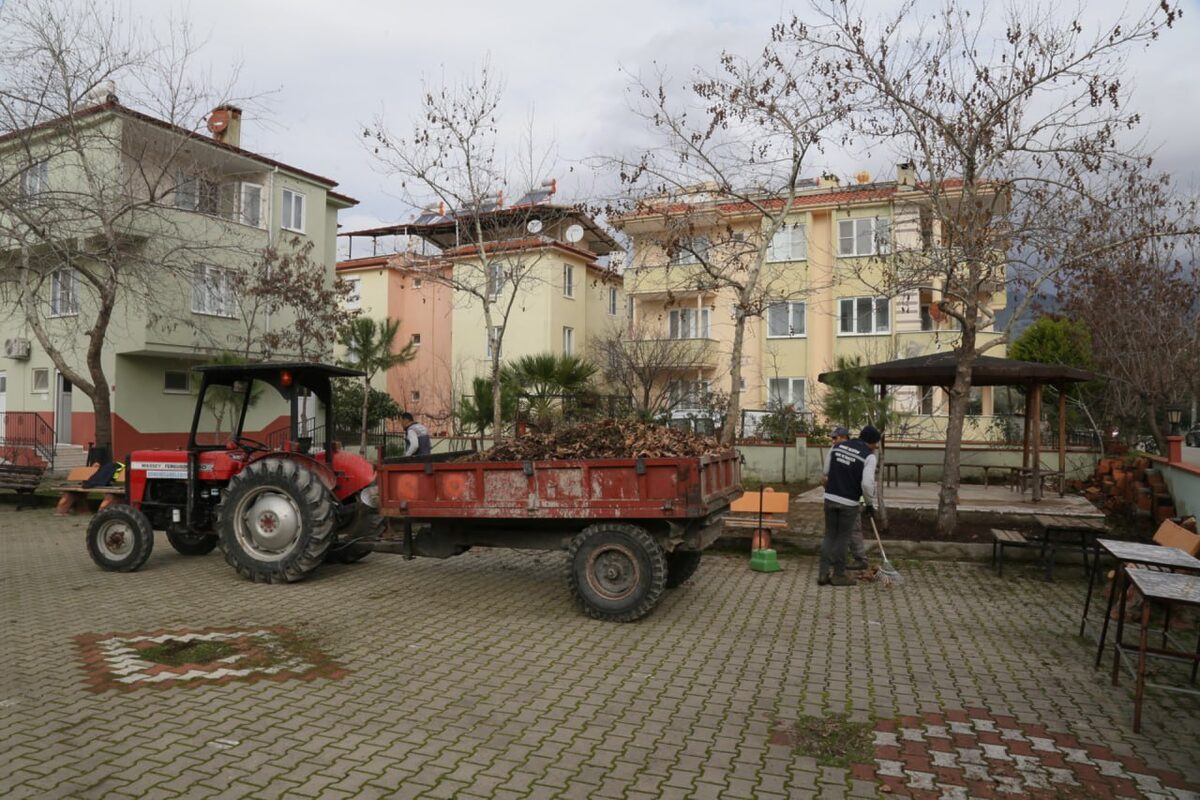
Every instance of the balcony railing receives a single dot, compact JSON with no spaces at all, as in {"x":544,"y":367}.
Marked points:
{"x":681,"y":354}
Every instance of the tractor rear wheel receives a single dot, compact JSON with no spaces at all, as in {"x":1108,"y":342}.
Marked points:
{"x":616,"y":572}
{"x":120,"y":538}
{"x":275,"y":521}
{"x":681,"y":565}
{"x":191,"y":544}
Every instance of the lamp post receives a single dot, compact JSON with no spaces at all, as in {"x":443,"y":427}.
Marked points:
{"x":1174,"y":417}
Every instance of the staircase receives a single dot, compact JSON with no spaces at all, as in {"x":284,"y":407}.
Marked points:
{"x":68,"y":456}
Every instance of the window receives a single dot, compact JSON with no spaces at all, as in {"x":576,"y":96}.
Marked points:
{"x":415,"y":340}
{"x":629,"y":308}
{"x":926,"y":302}
{"x":612,"y":301}
{"x":790,"y":243}
{"x":688,"y":394}
{"x":689,"y":250}
{"x":689,"y":323}
{"x":568,"y":280}
{"x":176,"y":382}
{"x":785,"y":319}
{"x":417,"y":283}
{"x":194,"y":193}
{"x":786,"y":392}
{"x":414,"y":396}
{"x":495,"y":338}
{"x":927,"y":400}
{"x":212,"y":291}
{"x":41,"y":381}
{"x":293,"y":211}
{"x":864,"y":237}
{"x":35,"y":180}
{"x":249,"y":211}
{"x":495,"y":280}
{"x":862,"y":315}
{"x":64,"y":293}
{"x":568,"y":341}
{"x":353,"y":292}
{"x":975,"y":401}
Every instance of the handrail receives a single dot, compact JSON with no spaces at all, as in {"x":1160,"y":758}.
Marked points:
{"x":27,"y":430}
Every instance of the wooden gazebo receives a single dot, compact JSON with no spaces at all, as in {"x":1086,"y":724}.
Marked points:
{"x":939,"y":370}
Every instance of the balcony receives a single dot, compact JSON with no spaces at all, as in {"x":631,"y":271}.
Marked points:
{"x":679,"y":354}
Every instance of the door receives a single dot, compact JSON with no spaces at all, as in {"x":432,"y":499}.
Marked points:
{"x":62,"y":415}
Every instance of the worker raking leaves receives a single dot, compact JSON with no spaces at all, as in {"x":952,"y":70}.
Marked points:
{"x":851,"y":476}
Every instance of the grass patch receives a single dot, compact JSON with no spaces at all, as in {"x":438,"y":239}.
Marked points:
{"x":834,"y":741}
{"x":176,"y":653}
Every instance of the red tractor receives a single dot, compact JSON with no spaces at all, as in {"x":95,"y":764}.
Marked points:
{"x":277,"y":509}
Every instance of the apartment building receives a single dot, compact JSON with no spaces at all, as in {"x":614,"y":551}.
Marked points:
{"x":820,"y":288}
{"x":194,"y":209}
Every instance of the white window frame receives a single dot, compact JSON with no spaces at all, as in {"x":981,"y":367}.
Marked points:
{"x":216,"y":298}
{"x":685,"y":250}
{"x":254,"y":221}
{"x":795,"y":393}
{"x":415,"y":340}
{"x":414,"y":396}
{"x":877,"y":304}
{"x":613,"y":296}
{"x":35,"y":181}
{"x":688,"y":395}
{"x":354,"y":293}
{"x":187,"y":376}
{"x":64,"y":293}
{"x":689,"y":323}
{"x":790,"y":243}
{"x":187,"y":191}
{"x":568,"y":341}
{"x":791,"y":308}
{"x":44,"y":374}
{"x":417,"y":283}
{"x":568,"y":275}
{"x":292,"y":214}
{"x":868,"y":236}
{"x":495,"y":335}
{"x":495,"y":280}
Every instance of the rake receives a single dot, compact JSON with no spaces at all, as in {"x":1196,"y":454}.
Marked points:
{"x":888,"y":574}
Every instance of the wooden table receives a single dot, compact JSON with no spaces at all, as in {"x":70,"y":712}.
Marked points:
{"x":1126,"y":552}
{"x":1155,"y":587}
{"x":1083,"y":529}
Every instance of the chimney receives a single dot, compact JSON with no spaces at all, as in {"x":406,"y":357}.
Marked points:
{"x":225,"y":124}
{"x":906,"y":176}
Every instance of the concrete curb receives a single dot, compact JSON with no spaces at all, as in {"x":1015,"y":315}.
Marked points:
{"x":800,"y":544}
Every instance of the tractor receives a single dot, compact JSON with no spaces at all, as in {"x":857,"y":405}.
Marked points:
{"x":276,"y":508}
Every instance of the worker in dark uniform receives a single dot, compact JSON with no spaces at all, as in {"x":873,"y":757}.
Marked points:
{"x":416,"y":437}
{"x":858,"y":547}
{"x":851,"y":476}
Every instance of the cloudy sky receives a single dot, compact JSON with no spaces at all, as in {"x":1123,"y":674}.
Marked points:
{"x":324,"y":68}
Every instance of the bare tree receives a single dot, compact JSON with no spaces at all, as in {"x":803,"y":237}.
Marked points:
{"x":453,"y":157}
{"x":641,"y":363}
{"x":83,"y":202}
{"x":1015,"y":146}
{"x":723,"y":180}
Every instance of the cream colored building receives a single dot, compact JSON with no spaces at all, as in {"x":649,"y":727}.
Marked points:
{"x":819,"y":285}
{"x":218,"y":205}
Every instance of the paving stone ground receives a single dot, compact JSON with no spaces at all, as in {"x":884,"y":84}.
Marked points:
{"x":476,"y":677}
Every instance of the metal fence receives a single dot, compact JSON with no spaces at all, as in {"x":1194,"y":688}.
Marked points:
{"x":24,"y":434}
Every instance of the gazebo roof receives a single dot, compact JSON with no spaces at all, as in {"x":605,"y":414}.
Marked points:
{"x":938,"y":370}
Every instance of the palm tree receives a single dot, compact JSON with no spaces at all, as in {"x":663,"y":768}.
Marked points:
{"x":545,"y":378}
{"x":370,"y":347}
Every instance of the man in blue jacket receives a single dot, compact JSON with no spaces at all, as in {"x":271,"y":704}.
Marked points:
{"x":852,"y":467}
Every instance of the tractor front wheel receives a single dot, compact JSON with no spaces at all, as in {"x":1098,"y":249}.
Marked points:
{"x":120,"y":539}
{"x":191,"y":544}
{"x":275,"y":521}
{"x":616,"y":572}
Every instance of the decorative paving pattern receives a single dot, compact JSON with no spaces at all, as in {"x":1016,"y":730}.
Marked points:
{"x":969,"y":754}
{"x":165,"y":658}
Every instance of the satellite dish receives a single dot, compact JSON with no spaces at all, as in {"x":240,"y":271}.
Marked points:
{"x":218,"y":120}
{"x":534,"y":226}
{"x":574,"y":233}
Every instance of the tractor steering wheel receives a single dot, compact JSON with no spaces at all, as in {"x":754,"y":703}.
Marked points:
{"x":248,"y":444}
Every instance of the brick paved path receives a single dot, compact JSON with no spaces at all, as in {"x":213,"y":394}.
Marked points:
{"x":475,"y":677}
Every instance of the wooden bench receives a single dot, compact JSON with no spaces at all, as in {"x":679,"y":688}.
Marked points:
{"x":759,"y":512}
{"x":891,"y":471}
{"x":74,"y":495}
{"x":1003,"y":538}
{"x":24,"y":479}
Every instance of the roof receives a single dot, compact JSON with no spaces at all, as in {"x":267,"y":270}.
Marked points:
{"x":939,"y":369}
{"x":115,"y":107}
{"x":301,"y":370}
{"x":400,"y":261}
{"x":530,"y":243}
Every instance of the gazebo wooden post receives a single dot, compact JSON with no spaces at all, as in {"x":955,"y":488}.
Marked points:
{"x":1036,"y":431}
{"x":880,"y":484}
{"x":1025,"y":438}
{"x":1062,"y":440}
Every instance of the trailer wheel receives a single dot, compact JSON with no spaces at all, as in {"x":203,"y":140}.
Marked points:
{"x":191,"y":544}
{"x":275,"y":521}
{"x":616,"y":572}
{"x":681,"y":565}
{"x":120,"y":539}
{"x":347,"y":549}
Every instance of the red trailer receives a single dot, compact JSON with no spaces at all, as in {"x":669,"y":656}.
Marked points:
{"x":631,"y":527}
